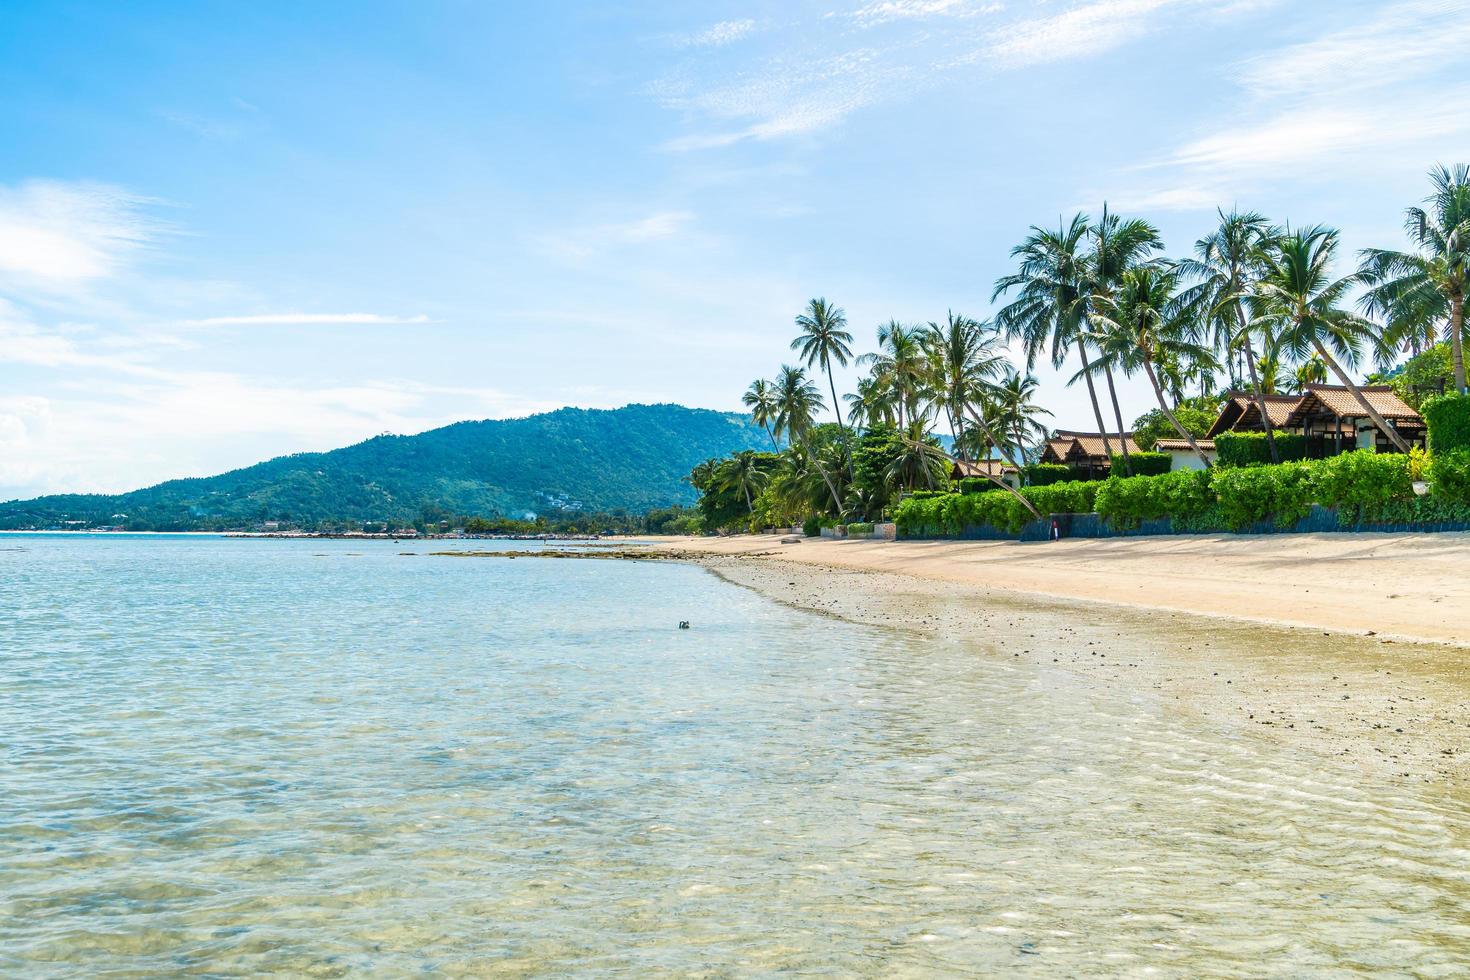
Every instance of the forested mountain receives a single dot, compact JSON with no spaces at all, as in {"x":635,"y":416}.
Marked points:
{"x":632,"y":458}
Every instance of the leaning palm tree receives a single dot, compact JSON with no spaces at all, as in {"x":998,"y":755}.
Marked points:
{"x":1049,"y":310}
{"x":743,"y":472}
{"x":1117,"y":246}
{"x":1297,"y":299}
{"x":1418,"y":291}
{"x":919,"y":460}
{"x":760,"y":398}
{"x":1144,"y":322}
{"x":1225,"y":269}
{"x":824,"y":340}
{"x":797,"y":403}
{"x":1017,"y":412}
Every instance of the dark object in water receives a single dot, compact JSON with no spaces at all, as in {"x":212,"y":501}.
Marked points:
{"x":683,"y":624}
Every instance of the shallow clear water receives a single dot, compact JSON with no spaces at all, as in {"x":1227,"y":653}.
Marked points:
{"x":330,"y":758}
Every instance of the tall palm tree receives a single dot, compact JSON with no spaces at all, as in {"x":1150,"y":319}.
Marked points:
{"x":1312,"y":371}
{"x":1017,"y":411}
{"x":1143,"y":322}
{"x":918,"y":460}
{"x":1416,"y":291}
{"x":824,"y":340}
{"x":1273,"y":379}
{"x":898,"y":365}
{"x":760,"y":398}
{"x":797,"y":403}
{"x":1297,"y":299}
{"x":1225,"y":268}
{"x":960,"y":359}
{"x":743,"y":472}
{"x":1117,"y":246}
{"x":1049,"y":309}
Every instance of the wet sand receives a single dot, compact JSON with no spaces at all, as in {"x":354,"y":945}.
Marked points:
{"x":1266,"y":634}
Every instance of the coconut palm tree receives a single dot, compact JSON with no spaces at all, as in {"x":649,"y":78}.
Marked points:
{"x":1312,"y":371}
{"x":1273,"y":380}
{"x":743,"y":472}
{"x":1117,"y":246}
{"x":1297,"y":299}
{"x":1419,"y":290}
{"x":1225,"y":268}
{"x":824,"y":340}
{"x":919,"y":461}
{"x":899,"y":366}
{"x":1017,"y":412}
{"x":1144,"y":321}
{"x":1049,"y":309}
{"x":960,"y":359}
{"x":760,"y":398}
{"x":797,"y":403}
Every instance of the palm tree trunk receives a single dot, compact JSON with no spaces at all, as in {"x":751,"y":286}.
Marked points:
{"x":837,"y":413}
{"x":1457,"y":340}
{"x":985,"y":427}
{"x":1250,"y":360}
{"x":1378,"y":420}
{"x":1153,"y":379}
{"x":1092,"y":393}
{"x":774,"y":444}
{"x":1118,"y":414}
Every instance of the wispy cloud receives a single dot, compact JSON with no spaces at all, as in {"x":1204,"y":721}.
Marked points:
{"x":56,"y":235}
{"x":306,"y":319}
{"x":884,"y":11}
{"x":580,"y":243}
{"x":1093,"y":28}
{"x":717,"y":35}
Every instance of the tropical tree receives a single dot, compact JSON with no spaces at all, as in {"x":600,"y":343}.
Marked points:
{"x":1297,"y":299}
{"x":1420,"y":290}
{"x":960,"y":360}
{"x":1142,"y":321}
{"x":797,"y":405}
{"x":824,"y":340}
{"x":1312,"y":371}
{"x":898,"y":366}
{"x":1118,"y":245}
{"x":744,"y":474}
{"x":918,"y":462}
{"x":1049,"y":310}
{"x":1017,"y":413}
{"x":1272,"y":378}
{"x":1225,"y":268}
{"x":760,"y":398}
{"x":872,"y":403}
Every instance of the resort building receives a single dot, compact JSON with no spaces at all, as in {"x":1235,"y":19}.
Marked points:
{"x":1183,"y":455}
{"x":1086,"y":452}
{"x":1329,"y":416}
{"x":986,"y":469}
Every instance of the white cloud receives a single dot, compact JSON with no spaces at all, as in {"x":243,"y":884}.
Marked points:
{"x":1083,"y":31}
{"x":305,"y":319}
{"x":883,"y":11}
{"x":581,"y":243}
{"x":717,"y":35}
{"x":56,"y":235}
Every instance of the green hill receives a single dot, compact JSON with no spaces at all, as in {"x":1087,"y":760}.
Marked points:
{"x":633,"y":458}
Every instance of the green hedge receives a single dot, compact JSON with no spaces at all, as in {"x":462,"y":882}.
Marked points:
{"x":1144,"y":464}
{"x":1251,"y":494}
{"x":1251,"y":448}
{"x":859,"y":528}
{"x":1045,"y":474}
{"x":1360,"y":484}
{"x":1448,"y":418}
{"x":1125,"y":501}
{"x":1449,"y":476}
{"x":950,"y":514}
{"x":812,"y":527}
{"x":975,"y":484}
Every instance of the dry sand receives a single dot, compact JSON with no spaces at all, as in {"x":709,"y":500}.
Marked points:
{"x":1348,"y":645}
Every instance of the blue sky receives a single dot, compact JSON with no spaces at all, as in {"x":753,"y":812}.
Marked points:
{"x":230,"y":231}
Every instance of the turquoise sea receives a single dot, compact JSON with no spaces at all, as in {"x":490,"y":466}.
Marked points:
{"x":325,"y":758}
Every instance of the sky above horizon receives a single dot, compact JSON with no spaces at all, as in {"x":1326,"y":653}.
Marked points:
{"x":230,"y":231}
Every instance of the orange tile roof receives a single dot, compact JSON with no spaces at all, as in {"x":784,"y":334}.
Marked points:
{"x":1182,"y":446}
{"x":1091,"y":443}
{"x":983,"y":467}
{"x":1337,"y":400}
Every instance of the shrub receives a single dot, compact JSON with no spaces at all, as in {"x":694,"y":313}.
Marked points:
{"x":859,"y":528}
{"x":975,"y":484}
{"x":812,"y":527}
{"x":1252,"y":494}
{"x":1045,"y":474}
{"x":1449,"y":476}
{"x":1155,"y":425}
{"x":1361,"y":484}
{"x":1126,"y":501}
{"x":1072,"y":497}
{"x":1144,"y":464}
{"x":1251,"y":448}
{"x":1448,"y":418}
{"x":950,"y":514}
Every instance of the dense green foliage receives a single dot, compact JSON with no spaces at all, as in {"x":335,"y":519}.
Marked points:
{"x":633,"y":458}
{"x":1152,"y":426}
{"x":1045,"y":474}
{"x":811,"y":527}
{"x":1448,"y":418}
{"x":1252,"y":448}
{"x":1143,"y":463}
{"x":1424,"y":376}
{"x":1125,"y":501}
{"x":947,"y":515}
{"x":859,"y":528}
{"x":1449,"y":476}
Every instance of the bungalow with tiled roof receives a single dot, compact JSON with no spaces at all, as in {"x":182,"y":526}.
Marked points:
{"x":1086,"y":451}
{"x":986,"y":469}
{"x":1241,"y":414}
{"x":1183,"y":455}
{"x":1336,"y":417}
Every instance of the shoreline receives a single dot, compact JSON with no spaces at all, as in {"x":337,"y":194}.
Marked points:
{"x":1386,"y":705}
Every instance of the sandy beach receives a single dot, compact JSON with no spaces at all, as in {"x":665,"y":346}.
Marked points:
{"x":1348,"y":645}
